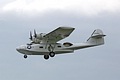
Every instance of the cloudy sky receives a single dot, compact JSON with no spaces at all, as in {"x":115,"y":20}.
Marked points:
{"x":18,"y":17}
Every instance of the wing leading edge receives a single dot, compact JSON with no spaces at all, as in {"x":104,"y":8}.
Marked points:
{"x":58,"y":34}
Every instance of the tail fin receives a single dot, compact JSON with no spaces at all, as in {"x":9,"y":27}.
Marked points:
{"x":97,"y":38}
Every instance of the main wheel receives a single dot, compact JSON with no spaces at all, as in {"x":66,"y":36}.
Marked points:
{"x":25,"y":56}
{"x":52,"y":54}
{"x":46,"y":57}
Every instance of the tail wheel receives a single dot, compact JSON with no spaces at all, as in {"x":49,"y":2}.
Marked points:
{"x":46,"y":57}
{"x":52,"y":54}
{"x":25,"y":56}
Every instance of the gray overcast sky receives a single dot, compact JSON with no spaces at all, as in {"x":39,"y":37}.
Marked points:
{"x":18,"y":17}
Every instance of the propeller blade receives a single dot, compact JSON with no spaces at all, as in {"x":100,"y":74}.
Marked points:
{"x":30,"y":35}
{"x":35,"y":34}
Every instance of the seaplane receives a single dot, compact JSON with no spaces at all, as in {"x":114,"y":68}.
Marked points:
{"x":48,"y":45}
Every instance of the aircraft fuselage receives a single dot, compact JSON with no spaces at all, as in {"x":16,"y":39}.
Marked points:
{"x":43,"y":49}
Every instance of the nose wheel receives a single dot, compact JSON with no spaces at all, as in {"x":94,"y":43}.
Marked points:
{"x":25,"y":56}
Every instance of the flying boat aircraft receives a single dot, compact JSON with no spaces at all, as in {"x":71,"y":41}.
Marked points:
{"x":47,"y":44}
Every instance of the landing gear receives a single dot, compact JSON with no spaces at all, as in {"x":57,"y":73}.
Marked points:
{"x":46,"y":57}
{"x":25,"y":56}
{"x":52,"y":54}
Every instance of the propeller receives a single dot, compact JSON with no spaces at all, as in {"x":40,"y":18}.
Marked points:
{"x":35,"y":34}
{"x":31,"y":36}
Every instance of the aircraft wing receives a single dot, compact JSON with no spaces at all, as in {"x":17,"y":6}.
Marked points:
{"x":58,"y":34}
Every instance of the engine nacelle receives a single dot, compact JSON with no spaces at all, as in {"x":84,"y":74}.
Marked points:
{"x":67,"y":44}
{"x":36,"y":41}
{"x":40,"y":36}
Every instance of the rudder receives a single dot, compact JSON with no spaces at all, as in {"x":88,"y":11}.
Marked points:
{"x":96,"y":38}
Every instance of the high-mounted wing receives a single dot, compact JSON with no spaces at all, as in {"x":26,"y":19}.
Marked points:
{"x":58,"y":34}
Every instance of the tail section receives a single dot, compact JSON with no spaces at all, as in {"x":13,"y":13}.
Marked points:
{"x":97,"y":38}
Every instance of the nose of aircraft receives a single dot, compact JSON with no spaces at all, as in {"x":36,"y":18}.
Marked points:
{"x":20,"y":48}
